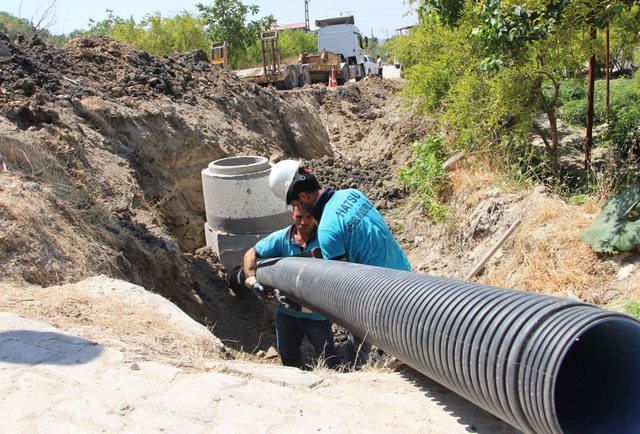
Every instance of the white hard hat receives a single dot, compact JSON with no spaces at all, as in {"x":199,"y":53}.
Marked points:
{"x":281,"y":178}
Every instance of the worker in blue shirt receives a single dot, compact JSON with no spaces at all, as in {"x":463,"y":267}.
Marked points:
{"x":350,"y":228}
{"x":292,"y":325}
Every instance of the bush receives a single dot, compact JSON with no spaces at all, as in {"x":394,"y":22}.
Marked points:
{"x":435,"y":57}
{"x":575,"y":112}
{"x":624,"y":132}
{"x":633,"y":309}
{"x":427,"y":84}
{"x":624,"y":111}
{"x":425,"y":176}
{"x":624,"y":102}
{"x":154,"y":34}
{"x":572,"y":89}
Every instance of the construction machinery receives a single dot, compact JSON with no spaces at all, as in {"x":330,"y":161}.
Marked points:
{"x":219,"y":54}
{"x":341,"y":36}
{"x":339,"y":53}
{"x":310,"y":68}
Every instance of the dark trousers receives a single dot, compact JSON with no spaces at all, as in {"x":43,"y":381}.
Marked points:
{"x":289,"y":333}
{"x":356,"y":352}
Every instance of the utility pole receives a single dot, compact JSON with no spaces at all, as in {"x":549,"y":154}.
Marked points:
{"x":306,"y":15}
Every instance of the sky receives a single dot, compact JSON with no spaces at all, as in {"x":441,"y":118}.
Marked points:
{"x":380,"y":17}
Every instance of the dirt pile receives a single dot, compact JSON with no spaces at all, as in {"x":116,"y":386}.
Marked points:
{"x":367,"y":121}
{"x":102,"y":147}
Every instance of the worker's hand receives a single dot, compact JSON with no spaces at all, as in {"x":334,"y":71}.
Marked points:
{"x":316,"y":253}
{"x":252,"y":283}
{"x":284,"y":301}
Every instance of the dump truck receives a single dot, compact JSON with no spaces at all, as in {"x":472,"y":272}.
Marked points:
{"x":339,"y":52}
{"x":310,"y":68}
{"x":341,"y":36}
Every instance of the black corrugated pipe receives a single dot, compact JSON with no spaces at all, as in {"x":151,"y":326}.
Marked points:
{"x":543,"y":364}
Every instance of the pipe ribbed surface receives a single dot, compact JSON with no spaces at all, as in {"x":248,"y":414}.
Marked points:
{"x":543,"y":364}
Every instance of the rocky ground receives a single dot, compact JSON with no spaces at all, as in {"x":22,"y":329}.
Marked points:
{"x":101,"y":148}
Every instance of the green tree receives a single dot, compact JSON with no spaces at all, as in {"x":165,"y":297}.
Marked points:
{"x":116,"y":27}
{"x":13,"y":27}
{"x":447,"y":12}
{"x":227,"y":20}
{"x":294,"y":42}
{"x":154,"y":34}
{"x":625,"y":38}
{"x":514,"y":53}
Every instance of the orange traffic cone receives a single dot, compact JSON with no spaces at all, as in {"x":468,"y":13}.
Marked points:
{"x":332,"y":79}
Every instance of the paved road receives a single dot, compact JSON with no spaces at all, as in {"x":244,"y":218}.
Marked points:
{"x":391,"y":72}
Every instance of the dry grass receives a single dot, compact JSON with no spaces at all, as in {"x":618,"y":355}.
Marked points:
{"x":44,"y":240}
{"x":548,"y":256}
{"x":472,"y":174}
{"x":138,"y":331}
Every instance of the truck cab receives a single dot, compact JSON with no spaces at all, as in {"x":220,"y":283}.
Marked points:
{"x":341,"y":36}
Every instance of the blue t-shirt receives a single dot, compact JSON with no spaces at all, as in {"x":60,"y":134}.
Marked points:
{"x":282,"y":244}
{"x":350,"y":225}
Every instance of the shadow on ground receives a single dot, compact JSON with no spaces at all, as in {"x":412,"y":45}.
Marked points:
{"x":474,"y":418}
{"x":30,"y":347}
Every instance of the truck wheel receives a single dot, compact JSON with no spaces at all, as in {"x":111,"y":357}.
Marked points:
{"x":305,"y":77}
{"x":360,"y":74}
{"x":291,"y":80}
{"x":345,"y":76}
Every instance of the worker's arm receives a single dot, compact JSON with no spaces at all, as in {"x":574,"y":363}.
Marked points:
{"x":250,"y":261}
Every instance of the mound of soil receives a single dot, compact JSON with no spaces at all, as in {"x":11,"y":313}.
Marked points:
{"x":102,"y":147}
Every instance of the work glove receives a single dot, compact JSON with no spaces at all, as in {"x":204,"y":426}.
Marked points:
{"x":284,"y":301}
{"x":252,"y":283}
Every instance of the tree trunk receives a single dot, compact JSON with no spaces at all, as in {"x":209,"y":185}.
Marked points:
{"x":550,"y":110}
{"x":553,"y":124}
{"x":588,"y":142}
{"x":606,"y":108}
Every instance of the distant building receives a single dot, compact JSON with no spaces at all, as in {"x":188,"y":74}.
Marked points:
{"x":295,"y":26}
{"x":404,"y":30}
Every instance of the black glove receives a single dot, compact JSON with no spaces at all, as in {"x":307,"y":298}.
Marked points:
{"x":235,"y":280}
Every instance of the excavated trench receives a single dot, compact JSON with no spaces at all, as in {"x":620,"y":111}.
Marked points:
{"x":104,"y":146}
{"x":170,"y":154}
